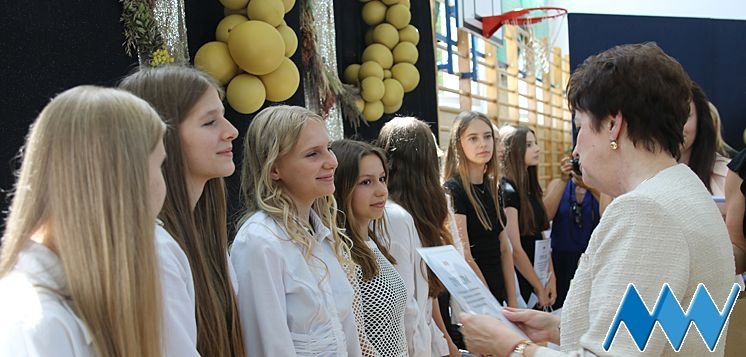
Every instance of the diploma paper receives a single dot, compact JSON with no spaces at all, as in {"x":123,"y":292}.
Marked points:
{"x":463,"y":284}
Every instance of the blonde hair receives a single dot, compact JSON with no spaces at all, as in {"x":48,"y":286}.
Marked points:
{"x":456,"y":166}
{"x":83,"y":181}
{"x":272,"y":134}
{"x":722,"y":147}
{"x":174,"y":90}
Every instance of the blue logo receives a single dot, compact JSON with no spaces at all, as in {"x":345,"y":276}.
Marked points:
{"x":668,"y":313}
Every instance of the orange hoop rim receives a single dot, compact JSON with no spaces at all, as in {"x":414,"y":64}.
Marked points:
{"x":490,"y":24}
{"x":515,"y":16}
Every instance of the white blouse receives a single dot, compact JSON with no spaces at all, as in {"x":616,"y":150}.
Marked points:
{"x":177,"y":287}
{"x":423,"y":336}
{"x":290,"y":305}
{"x":37,"y":317}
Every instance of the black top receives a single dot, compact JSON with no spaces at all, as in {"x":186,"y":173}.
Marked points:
{"x":484,"y":243}
{"x":513,"y":199}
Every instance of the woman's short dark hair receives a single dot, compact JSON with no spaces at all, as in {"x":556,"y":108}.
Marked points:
{"x":648,"y":87}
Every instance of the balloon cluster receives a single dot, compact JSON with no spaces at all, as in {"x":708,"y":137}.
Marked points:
{"x":251,"y":54}
{"x":387,"y":70}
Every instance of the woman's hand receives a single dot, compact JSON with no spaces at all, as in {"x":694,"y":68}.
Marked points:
{"x":539,"y":326}
{"x":487,"y":335}
{"x":565,"y":169}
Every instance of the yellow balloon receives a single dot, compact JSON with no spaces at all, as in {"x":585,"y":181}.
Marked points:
{"x":409,"y":34}
{"x":386,"y":34}
{"x":269,"y":11}
{"x":257,"y":47}
{"x":397,"y":15}
{"x":360,"y":104}
{"x":241,"y":11}
{"x":405,"y":3}
{"x":351,"y":73}
{"x":371,"y":89}
{"x":370,"y":69}
{"x":393,"y":108}
{"x":226,"y":24}
{"x":373,"y":111}
{"x":393,"y":92}
{"x":744,"y":136}
{"x":215,"y":59}
{"x":386,"y":73}
{"x":283,"y":82}
{"x":368,"y":37}
{"x":234,"y":4}
{"x":407,"y":75}
{"x":374,"y":12}
{"x":405,"y":52}
{"x":290,"y":38}
{"x":245,"y":93}
{"x":288,"y":5}
{"x":379,"y":53}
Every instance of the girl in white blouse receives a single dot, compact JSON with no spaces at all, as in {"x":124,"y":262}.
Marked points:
{"x":361,"y":193}
{"x":78,"y":270}
{"x":292,"y":265}
{"x":200,"y":309}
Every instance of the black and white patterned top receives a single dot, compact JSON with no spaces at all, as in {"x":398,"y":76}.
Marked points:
{"x":384,"y":298}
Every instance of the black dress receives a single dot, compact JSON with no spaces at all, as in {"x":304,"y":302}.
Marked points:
{"x":484,"y":243}
{"x":528,"y":239}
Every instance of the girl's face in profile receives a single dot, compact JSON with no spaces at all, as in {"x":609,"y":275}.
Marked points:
{"x":532,"y":150}
{"x":206,"y":137}
{"x":370,"y":192}
{"x":307,"y":171}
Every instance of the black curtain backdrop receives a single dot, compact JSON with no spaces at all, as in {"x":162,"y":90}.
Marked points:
{"x":55,"y":45}
{"x":712,"y":52}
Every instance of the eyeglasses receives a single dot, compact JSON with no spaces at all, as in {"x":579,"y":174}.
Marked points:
{"x":577,"y":210}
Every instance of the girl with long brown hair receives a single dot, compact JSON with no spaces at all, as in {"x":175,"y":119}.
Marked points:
{"x":471,"y":173}
{"x":417,"y":215}
{"x":201,"y":314}
{"x":524,"y":208}
{"x":78,"y":269}
{"x":361,"y":193}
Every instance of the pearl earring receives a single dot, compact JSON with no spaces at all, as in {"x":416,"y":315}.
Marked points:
{"x":613,"y":145}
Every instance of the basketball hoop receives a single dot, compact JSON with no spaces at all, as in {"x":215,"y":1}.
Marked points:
{"x":523,"y":16}
{"x":535,"y":49}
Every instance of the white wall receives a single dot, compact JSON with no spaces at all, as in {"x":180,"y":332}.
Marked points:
{"x":722,"y":9}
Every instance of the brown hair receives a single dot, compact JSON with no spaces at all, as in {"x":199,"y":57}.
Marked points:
{"x":456,"y":166}
{"x":525,"y":178}
{"x":202,"y":233}
{"x":647,"y":86}
{"x":349,"y":153}
{"x":414,"y":178}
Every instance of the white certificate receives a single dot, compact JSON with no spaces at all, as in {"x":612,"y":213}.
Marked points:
{"x":463,"y":284}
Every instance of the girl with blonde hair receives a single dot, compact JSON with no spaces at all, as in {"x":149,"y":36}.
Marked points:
{"x":199,"y":289}
{"x":471,"y":172}
{"x":290,"y":258}
{"x":78,"y":269}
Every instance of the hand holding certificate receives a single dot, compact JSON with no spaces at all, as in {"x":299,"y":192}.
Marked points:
{"x":463,"y":284}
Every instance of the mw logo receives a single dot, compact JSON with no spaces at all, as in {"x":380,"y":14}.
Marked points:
{"x":668,"y":313}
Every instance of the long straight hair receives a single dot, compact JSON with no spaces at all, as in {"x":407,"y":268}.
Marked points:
{"x":456,"y":165}
{"x":202,"y":233}
{"x":527,"y":179}
{"x":83,"y":181}
{"x":704,"y":148}
{"x":414,"y":178}
{"x":272,"y":134}
{"x":349,"y":154}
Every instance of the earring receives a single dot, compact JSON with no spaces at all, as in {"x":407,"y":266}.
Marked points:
{"x":613,"y":145}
